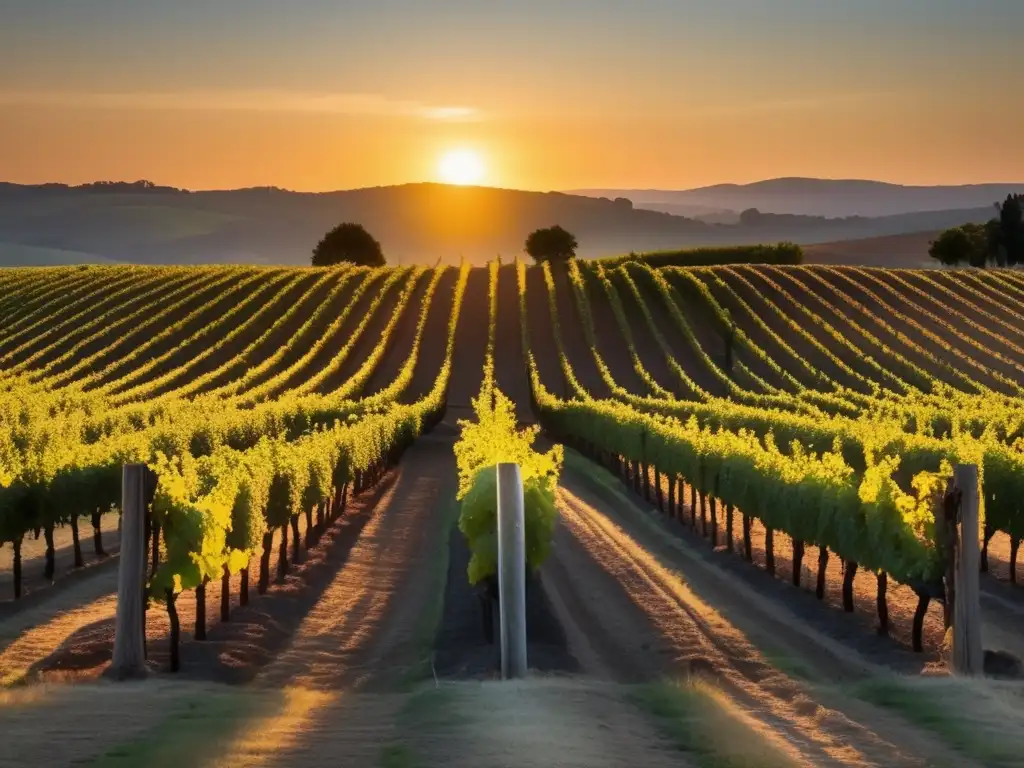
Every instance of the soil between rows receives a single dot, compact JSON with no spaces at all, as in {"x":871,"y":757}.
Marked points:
{"x":460,"y":648}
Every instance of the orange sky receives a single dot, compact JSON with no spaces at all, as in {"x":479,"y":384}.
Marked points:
{"x":598,"y":94}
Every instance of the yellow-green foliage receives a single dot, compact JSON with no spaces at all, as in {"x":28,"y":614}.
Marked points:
{"x":492,"y":439}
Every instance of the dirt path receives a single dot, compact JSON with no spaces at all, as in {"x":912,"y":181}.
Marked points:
{"x":363,"y":629}
{"x":574,"y":340}
{"x":542,"y":334}
{"x":509,"y":362}
{"x":403,"y":336}
{"x":35,"y":633}
{"x":610,"y":341}
{"x":371,"y":336}
{"x":433,"y":345}
{"x":651,"y":355}
{"x":629,"y":616}
{"x":470,"y":345}
{"x":33,"y":560}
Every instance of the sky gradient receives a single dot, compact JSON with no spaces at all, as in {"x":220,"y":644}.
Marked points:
{"x":317,"y":95}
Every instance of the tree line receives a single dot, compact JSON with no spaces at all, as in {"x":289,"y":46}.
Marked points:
{"x":351,"y":243}
{"x":998,"y":242}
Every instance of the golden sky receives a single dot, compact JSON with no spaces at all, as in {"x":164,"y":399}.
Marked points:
{"x":316,"y":95}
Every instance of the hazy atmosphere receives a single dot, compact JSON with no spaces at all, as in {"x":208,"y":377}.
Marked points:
{"x":315,"y":95}
{"x":479,"y":384}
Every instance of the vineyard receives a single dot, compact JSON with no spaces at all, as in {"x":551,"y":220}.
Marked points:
{"x":310,"y":433}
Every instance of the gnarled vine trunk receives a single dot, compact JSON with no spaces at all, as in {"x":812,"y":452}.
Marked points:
{"x":97,"y":534}
{"x":51,"y":560}
{"x":76,"y":541}
{"x":268,"y":545}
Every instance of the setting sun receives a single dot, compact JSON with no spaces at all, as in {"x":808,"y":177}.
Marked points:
{"x":461,"y":166}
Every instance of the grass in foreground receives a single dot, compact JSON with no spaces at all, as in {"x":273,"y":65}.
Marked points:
{"x":983,"y":719}
{"x":433,"y":611}
{"x":711,"y":729}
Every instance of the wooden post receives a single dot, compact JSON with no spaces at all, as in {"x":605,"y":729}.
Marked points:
{"x":968,"y":656}
{"x":129,"y":637}
{"x":512,"y":571}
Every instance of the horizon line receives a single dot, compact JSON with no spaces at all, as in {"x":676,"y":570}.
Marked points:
{"x":568,"y":191}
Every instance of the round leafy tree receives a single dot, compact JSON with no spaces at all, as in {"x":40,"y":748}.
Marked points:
{"x":967,"y":244}
{"x":349,"y":243}
{"x":551,"y":244}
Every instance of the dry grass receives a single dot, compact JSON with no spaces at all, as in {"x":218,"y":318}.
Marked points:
{"x":983,"y":719}
{"x":160,"y":723}
{"x":705,"y":722}
{"x":63,"y":725}
{"x":538,"y":722}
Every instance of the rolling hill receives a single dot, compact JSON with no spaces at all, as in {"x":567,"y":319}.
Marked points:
{"x":416,"y":223}
{"x":817,"y":197}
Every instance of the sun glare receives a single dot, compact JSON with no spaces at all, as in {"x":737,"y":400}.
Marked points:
{"x":461,"y":166}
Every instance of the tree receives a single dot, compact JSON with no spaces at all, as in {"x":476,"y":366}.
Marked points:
{"x":967,"y":244}
{"x":551,"y":244}
{"x":350,"y":243}
{"x":1011,"y":229}
{"x":994,"y":237}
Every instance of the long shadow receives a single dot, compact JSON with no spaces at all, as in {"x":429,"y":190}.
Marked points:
{"x":236,"y":650}
{"x":853,"y":631}
{"x":636,"y":641}
{"x":36,"y":589}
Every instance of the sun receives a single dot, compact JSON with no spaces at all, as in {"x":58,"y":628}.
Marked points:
{"x":461,"y":166}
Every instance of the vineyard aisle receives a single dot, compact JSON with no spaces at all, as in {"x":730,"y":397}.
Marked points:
{"x":641,"y":607}
{"x":335,"y":688}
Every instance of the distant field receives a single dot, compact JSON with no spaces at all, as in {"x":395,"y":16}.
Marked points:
{"x":908,"y":251}
{"x":18,"y":255}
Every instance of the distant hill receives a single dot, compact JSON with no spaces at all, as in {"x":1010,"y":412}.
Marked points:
{"x":818,"y":197}
{"x":416,"y":223}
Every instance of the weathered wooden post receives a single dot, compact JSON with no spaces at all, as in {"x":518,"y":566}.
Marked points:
{"x":129,"y":636}
{"x":968,"y":655}
{"x":512,"y":571}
